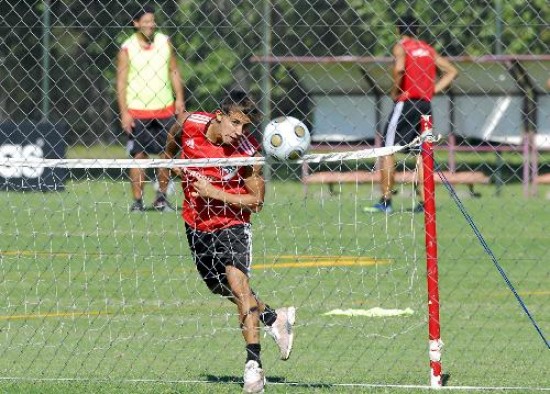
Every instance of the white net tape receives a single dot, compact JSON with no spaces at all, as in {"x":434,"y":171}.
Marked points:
{"x":170,"y":163}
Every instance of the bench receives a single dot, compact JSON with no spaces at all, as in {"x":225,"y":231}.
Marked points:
{"x":332,"y":178}
{"x":544,"y":178}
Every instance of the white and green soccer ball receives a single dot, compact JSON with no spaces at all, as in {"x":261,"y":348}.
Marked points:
{"x":286,"y":138}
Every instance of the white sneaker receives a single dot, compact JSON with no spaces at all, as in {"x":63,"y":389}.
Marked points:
{"x":282,"y":331}
{"x":254,"y":378}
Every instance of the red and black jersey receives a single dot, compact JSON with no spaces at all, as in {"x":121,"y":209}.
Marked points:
{"x":420,"y":71}
{"x":209,"y":214}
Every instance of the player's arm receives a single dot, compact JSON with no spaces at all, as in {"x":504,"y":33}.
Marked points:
{"x":172,"y":141}
{"x":255,"y":184}
{"x":172,"y":145}
{"x":398,"y":70}
{"x":177,"y":85}
{"x":252,"y":201}
{"x":449,"y":73}
{"x":123,"y":64}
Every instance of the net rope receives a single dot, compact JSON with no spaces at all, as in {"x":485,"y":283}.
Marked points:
{"x":361,"y":154}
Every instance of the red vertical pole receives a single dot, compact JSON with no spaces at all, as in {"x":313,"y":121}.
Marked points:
{"x":435,"y":343}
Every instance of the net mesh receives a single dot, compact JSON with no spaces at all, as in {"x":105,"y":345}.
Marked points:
{"x":92,"y":292}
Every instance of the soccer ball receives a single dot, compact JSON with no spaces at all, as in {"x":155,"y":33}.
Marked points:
{"x":286,"y":138}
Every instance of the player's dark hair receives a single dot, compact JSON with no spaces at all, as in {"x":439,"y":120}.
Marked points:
{"x":238,"y":101}
{"x":407,"y":25}
{"x":142,"y":10}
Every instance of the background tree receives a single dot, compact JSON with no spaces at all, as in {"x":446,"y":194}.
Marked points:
{"x":215,"y":40}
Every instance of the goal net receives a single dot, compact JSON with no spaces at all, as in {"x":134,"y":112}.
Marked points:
{"x":94,"y":292}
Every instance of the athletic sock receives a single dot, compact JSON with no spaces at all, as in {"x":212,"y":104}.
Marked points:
{"x":253,"y":353}
{"x":268,"y":316}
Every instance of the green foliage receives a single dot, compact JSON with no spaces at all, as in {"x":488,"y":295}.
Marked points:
{"x":215,"y":40}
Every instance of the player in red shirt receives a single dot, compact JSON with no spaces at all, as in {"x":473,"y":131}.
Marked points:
{"x":217,"y":208}
{"x":414,"y":84}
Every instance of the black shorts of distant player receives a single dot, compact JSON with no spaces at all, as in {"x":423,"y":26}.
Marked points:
{"x":404,"y":123}
{"x":213,"y":251}
{"x":149,"y":136}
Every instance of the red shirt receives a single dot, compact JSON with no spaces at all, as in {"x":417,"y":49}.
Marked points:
{"x":418,"y":80}
{"x":206,"y":214}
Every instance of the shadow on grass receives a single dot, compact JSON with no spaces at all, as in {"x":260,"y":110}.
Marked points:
{"x":271,"y":379}
{"x":281,"y":380}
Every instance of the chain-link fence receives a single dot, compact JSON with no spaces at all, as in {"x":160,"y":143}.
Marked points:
{"x":90,"y":293}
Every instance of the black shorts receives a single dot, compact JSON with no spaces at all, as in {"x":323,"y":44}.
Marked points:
{"x":149,"y":136}
{"x":404,"y":122}
{"x":213,"y":251}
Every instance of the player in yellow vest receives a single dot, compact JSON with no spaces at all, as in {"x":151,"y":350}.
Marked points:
{"x":150,"y":96}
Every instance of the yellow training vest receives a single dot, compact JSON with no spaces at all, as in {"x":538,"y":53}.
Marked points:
{"x":149,"y":85}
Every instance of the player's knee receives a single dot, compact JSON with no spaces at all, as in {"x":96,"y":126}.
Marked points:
{"x":253,"y":310}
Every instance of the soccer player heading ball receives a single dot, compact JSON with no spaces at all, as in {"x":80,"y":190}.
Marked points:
{"x":217,"y":208}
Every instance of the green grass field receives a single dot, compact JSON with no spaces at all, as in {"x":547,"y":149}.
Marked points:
{"x":97,"y":300}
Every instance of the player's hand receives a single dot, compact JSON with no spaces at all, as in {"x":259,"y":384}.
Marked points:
{"x":205,"y":189}
{"x":181,"y":112}
{"x":181,"y":116}
{"x":127,"y":122}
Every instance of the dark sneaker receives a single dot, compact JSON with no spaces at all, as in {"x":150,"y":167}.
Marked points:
{"x":137,"y":206}
{"x":382,"y":206}
{"x":418,"y":208}
{"x":161,"y":204}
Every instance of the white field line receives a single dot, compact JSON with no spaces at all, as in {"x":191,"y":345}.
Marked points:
{"x":299,"y":384}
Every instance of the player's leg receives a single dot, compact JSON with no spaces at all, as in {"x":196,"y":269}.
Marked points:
{"x":387,"y":174}
{"x":205,"y":246}
{"x":386,"y":164}
{"x":137,"y":147}
{"x":234,"y":248}
{"x":161,"y":202}
{"x":251,"y":311}
{"x":137,"y":180}
{"x":235,"y":244}
{"x":247,"y":304}
{"x":136,"y":151}
{"x":278,"y":323}
{"x":421,"y":107}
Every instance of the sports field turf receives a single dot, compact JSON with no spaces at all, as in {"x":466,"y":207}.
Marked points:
{"x":97,"y":300}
